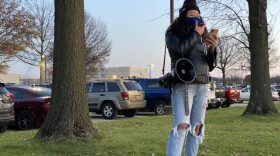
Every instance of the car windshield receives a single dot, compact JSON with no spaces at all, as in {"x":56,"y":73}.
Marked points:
{"x":273,"y":89}
{"x":247,"y":89}
{"x":42,"y":85}
{"x":40,"y":91}
{"x":3,"y":90}
{"x":132,"y":85}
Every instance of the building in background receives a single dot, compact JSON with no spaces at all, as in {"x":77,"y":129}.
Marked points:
{"x":107,"y":73}
{"x":120,"y":72}
{"x":29,"y":81}
{"x":10,"y":78}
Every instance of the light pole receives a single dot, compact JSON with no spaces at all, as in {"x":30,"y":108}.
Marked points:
{"x":171,"y":11}
{"x":150,"y":70}
{"x":242,"y":67}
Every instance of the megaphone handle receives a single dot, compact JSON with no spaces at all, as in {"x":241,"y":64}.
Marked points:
{"x":187,"y":110}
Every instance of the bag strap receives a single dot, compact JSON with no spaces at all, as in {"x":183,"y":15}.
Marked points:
{"x":164,"y":60}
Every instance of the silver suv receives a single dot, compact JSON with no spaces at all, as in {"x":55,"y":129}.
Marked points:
{"x":112,"y":97}
{"x":6,"y":108}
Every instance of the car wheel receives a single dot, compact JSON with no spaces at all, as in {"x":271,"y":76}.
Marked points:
{"x":3,"y":129}
{"x":160,"y":108}
{"x":209,"y":106}
{"x":24,"y":119}
{"x":225,"y":104}
{"x":218,"y":105}
{"x":129,"y":113}
{"x":109,"y":110}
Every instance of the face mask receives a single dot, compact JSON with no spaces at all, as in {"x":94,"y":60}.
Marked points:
{"x":191,"y":21}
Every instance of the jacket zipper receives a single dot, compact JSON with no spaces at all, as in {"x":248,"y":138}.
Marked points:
{"x":205,"y":53}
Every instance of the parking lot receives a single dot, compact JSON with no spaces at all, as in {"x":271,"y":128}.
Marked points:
{"x":95,"y":118}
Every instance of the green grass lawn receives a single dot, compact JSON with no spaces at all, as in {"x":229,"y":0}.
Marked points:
{"x":227,"y":134}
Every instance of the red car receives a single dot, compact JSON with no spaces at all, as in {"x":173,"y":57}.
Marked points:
{"x":232,"y":95}
{"x":31,"y":105}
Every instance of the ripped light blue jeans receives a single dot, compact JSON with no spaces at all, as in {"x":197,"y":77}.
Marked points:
{"x":187,"y":138}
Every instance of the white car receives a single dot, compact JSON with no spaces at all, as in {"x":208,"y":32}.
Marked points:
{"x":6,"y":108}
{"x":277,"y":88}
{"x":245,"y":94}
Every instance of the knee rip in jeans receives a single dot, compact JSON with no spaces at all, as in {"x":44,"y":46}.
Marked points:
{"x":180,"y":126}
{"x":183,"y":126}
{"x":198,"y":129}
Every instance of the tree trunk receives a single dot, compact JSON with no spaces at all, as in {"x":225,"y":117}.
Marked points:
{"x":68,"y":116}
{"x":224,"y":76}
{"x":41,"y":66}
{"x":260,"y":99}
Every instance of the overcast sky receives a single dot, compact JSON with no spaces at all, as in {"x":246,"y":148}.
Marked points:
{"x":137,"y":39}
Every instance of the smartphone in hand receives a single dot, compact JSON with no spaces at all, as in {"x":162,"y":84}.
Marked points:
{"x":213,"y":31}
{"x":212,"y":37}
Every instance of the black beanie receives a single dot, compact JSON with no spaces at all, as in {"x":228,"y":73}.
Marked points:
{"x":189,"y":5}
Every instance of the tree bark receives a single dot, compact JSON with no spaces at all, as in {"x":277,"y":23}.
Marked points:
{"x":224,"y":76}
{"x":41,"y":66}
{"x":68,"y":116}
{"x":261,"y":98}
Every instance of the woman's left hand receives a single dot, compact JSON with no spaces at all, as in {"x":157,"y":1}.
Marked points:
{"x":212,"y":40}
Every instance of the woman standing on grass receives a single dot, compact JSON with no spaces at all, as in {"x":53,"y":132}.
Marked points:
{"x":187,"y":37}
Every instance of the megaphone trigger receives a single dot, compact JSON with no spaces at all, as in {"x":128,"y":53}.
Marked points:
{"x":183,"y":71}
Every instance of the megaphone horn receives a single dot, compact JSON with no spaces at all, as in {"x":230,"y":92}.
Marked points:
{"x":185,"y":70}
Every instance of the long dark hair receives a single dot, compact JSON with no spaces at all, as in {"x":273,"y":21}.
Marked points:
{"x":182,"y":30}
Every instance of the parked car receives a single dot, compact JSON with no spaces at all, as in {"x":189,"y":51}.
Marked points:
{"x":232,"y":95}
{"x":275,"y":94}
{"x":157,"y":96}
{"x":10,"y":84}
{"x":214,"y":101}
{"x":31,"y":105}
{"x":44,"y":85}
{"x":245,"y":94}
{"x":6,"y":108}
{"x":277,"y":88}
{"x":220,"y":92}
{"x":112,"y":97}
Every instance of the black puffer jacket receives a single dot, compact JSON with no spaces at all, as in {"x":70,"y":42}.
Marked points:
{"x":192,"y":48}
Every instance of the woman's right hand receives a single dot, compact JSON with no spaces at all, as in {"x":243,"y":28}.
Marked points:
{"x":199,"y":30}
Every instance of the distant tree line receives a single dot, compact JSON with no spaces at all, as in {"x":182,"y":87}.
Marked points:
{"x":236,"y":80}
{"x":27,"y":35}
{"x":275,"y":80}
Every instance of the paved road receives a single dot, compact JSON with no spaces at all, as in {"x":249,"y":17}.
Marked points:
{"x":95,"y":118}
{"x":245,"y":103}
